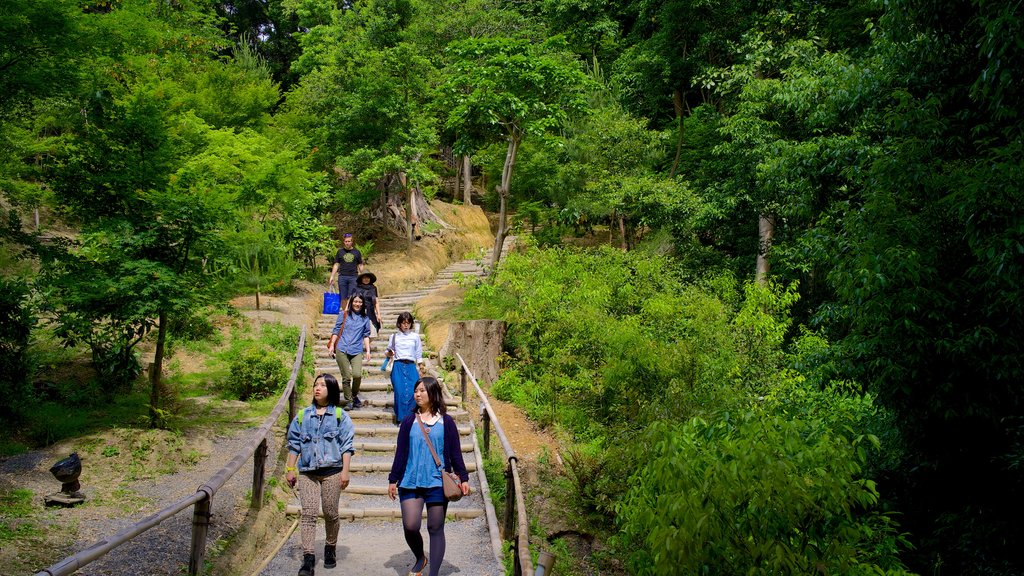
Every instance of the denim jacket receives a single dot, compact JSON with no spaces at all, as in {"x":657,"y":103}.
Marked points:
{"x":320,"y":441}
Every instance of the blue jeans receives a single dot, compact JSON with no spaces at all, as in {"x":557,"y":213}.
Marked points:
{"x":346,"y":286}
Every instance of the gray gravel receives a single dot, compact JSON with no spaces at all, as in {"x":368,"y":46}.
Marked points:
{"x":162,"y":550}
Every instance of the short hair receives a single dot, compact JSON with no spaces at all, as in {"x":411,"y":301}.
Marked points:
{"x":433,"y":388}
{"x":333,"y":390}
{"x":351,"y":300}
{"x":404,"y":317}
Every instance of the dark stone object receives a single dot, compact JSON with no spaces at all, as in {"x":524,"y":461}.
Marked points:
{"x":67,"y":472}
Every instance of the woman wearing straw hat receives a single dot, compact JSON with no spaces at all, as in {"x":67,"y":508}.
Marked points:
{"x":366,"y":287}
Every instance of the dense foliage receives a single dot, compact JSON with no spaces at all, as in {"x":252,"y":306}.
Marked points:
{"x":865,"y":158}
{"x":742,"y":455}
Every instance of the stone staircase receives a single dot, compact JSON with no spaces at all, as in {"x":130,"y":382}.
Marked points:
{"x":371,"y":541}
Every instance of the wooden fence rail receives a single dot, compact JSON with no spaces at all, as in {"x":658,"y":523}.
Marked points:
{"x":515,"y":524}
{"x":257,"y":449}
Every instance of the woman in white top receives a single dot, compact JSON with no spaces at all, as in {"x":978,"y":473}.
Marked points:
{"x":405,"y":348}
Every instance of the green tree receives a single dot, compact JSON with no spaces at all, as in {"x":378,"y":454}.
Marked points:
{"x":506,"y":89}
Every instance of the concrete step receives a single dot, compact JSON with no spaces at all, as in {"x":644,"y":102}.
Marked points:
{"x":386,"y":466}
{"x":378,"y":431}
{"x":392,"y":513}
{"x":378,"y":447}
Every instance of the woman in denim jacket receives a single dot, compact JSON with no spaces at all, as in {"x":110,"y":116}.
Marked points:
{"x":320,"y":446}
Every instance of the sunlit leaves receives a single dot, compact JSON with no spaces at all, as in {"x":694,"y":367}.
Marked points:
{"x":751,"y":492}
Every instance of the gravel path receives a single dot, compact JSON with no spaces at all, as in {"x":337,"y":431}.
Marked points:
{"x":162,"y":550}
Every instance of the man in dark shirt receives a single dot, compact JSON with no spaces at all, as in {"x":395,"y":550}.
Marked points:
{"x":348,"y":264}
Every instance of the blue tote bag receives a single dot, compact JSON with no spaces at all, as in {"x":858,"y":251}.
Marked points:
{"x":332,"y":302}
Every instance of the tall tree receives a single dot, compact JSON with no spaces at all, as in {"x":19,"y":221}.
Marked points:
{"x":499,"y":88}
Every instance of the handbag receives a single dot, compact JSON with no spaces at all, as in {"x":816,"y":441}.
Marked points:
{"x":332,"y":302}
{"x":386,"y":366}
{"x":449,"y":480}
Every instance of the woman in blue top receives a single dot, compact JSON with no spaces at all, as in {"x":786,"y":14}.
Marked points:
{"x":416,"y":480}
{"x":349,"y":339}
{"x":406,"y":347}
{"x":320,"y":447}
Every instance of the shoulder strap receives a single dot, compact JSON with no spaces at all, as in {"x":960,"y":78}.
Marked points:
{"x":426,"y":436}
{"x":337,"y":415}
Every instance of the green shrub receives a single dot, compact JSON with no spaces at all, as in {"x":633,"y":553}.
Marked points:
{"x":757,"y":493}
{"x":16,"y":321}
{"x":256,"y":373}
{"x":192,"y":327}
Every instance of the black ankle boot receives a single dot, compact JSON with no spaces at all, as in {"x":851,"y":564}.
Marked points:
{"x":330,"y":556}
{"x":308,"y":564}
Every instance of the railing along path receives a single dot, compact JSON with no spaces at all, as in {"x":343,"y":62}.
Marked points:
{"x":203,"y":496}
{"x":515,"y":524}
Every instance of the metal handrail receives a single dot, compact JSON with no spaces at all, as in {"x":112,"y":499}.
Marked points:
{"x":203,"y":495}
{"x":519,"y":537}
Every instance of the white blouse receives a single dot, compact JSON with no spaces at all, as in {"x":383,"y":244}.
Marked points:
{"x":407,"y":346}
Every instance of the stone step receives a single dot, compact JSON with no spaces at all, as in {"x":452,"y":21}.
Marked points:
{"x":365,"y":429}
{"x":376,"y":415}
{"x":392,"y":513}
{"x":390,"y":446}
{"x":386,"y":466}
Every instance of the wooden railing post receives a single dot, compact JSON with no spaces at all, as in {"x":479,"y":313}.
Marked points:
{"x":517,"y":568}
{"x":292,"y":400}
{"x":510,"y":504}
{"x":545,"y":563}
{"x":487,"y":434}
{"x":259,"y":461}
{"x":200,"y":526}
{"x":462,"y":384}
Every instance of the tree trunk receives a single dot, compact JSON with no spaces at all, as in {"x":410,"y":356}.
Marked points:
{"x":467,"y":181}
{"x":622,"y":233}
{"x":458,"y":180}
{"x":410,"y":206}
{"x":677,"y":102}
{"x":390,"y":209}
{"x":765,"y":233}
{"x":503,"y":191}
{"x":156,"y":371}
{"x":480,"y":343}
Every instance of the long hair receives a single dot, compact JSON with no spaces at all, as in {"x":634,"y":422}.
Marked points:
{"x":362,"y":311}
{"x":433,"y":388}
{"x":333,"y":389}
